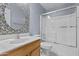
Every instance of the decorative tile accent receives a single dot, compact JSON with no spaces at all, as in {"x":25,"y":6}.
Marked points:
{"x":5,"y":28}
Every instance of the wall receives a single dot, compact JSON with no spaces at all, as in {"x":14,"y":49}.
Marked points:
{"x":35,"y":11}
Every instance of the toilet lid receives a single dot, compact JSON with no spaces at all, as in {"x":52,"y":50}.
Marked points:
{"x":46,"y":45}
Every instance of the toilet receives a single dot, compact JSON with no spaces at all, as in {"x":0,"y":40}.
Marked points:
{"x":46,"y":45}
{"x":45,"y":48}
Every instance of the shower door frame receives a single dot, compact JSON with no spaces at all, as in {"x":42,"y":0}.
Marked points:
{"x":57,"y":11}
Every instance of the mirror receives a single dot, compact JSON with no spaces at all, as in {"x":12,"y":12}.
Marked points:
{"x":12,"y":19}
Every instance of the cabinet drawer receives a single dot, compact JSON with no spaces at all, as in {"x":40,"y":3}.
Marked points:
{"x":19,"y":52}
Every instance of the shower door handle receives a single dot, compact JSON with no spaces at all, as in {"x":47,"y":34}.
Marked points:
{"x":63,"y":26}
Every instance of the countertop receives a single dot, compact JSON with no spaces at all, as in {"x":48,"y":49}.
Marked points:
{"x":7,"y":45}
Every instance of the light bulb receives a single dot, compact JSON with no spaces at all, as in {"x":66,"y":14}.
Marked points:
{"x":48,"y":17}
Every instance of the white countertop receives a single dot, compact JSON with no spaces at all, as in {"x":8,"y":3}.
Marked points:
{"x":10,"y":44}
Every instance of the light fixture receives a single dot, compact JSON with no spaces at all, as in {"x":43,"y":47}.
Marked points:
{"x":49,"y":17}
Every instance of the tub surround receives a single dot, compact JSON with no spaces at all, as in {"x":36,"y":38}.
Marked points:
{"x":9,"y":45}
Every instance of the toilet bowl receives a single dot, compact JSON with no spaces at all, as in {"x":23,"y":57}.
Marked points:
{"x":45,"y":48}
{"x":46,"y":45}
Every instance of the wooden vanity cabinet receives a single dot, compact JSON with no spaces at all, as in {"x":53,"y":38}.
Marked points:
{"x":31,"y":49}
{"x":35,"y":52}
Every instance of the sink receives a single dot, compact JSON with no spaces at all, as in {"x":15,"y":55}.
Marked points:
{"x":5,"y":47}
{"x":17,"y":41}
{"x":10,"y":44}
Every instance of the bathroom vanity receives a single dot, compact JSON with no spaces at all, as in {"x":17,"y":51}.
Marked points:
{"x":31,"y":49}
{"x":19,"y":47}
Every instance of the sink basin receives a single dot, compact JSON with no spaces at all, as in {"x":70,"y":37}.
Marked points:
{"x":17,"y":41}
{"x":4,"y":47}
{"x":11,"y":44}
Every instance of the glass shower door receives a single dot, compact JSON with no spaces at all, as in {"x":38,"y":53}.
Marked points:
{"x":60,"y":27}
{"x":66,"y":33}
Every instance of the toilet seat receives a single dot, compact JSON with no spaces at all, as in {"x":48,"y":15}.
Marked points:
{"x":46,"y":45}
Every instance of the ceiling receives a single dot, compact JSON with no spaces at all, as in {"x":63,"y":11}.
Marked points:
{"x":54,"y":6}
{"x":47,"y":6}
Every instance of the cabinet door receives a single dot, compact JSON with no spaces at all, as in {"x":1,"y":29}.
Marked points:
{"x":18,"y":52}
{"x":36,"y":52}
{"x":26,"y":50}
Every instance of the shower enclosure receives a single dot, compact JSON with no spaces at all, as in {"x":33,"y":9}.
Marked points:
{"x":60,"y":27}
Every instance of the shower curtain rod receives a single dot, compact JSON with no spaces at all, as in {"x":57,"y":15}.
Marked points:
{"x":58,"y":10}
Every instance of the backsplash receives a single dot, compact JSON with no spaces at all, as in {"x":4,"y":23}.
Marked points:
{"x":13,"y":36}
{"x":9,"y":36}
{"x":4,"y":27}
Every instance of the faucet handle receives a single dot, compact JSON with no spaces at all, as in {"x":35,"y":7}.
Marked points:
{"x":3,"y":54}
{"x":18,"y":37}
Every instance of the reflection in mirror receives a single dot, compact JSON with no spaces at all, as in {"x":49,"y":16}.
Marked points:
{"x":7,"y":26}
